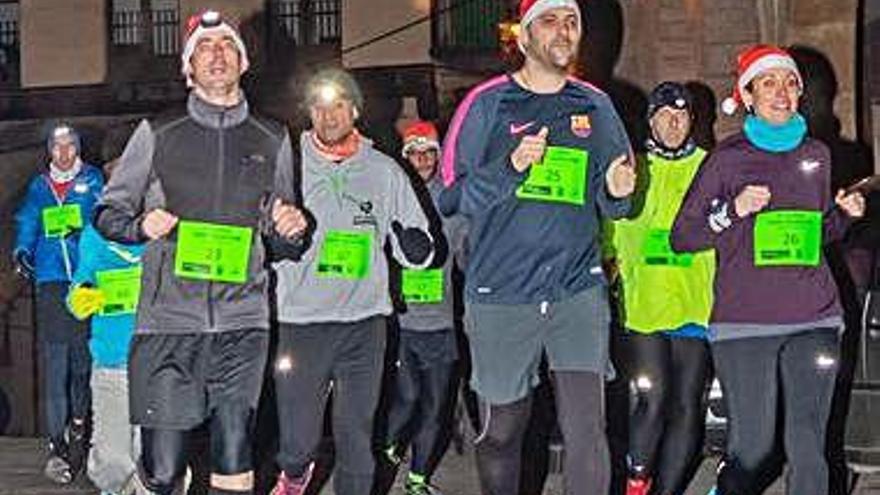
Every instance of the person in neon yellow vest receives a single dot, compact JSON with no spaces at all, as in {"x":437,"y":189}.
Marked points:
{"x":667,"y":299}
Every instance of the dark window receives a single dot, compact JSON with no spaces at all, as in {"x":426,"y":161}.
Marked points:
{"x":287,"y":19}
{"x":9,"y":53}
{"x":306,"y":22}
{"x":155,"y":23}
{"x":326,"y":20}
{"x":165,"y":31}
{"x":127,"y":27}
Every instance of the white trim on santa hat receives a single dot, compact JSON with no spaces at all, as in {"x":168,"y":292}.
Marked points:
{"x":538,"y":8}
{"x":421,"y":143}
{"x":770,"y":61}
{"x":541,"y":6}
{"x":192,"y":40}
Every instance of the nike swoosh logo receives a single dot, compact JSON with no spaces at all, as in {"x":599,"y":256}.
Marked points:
{"x":517,"y":129}
{"x":809,"y":165}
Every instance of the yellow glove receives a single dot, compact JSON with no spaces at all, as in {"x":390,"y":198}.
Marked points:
{"x":85,"y":301}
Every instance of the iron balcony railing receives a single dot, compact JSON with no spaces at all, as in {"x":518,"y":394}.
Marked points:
{"x":468,"y":26}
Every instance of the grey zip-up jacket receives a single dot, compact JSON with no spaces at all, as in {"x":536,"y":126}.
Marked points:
{"x":213,"y":164}
{"x":363,"y":194}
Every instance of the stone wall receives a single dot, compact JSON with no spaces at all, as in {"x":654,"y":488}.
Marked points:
{"x":830,"y":27}
{"x":63,"y":43}
{"x":697,"y":40}
{"x":363,"y":22}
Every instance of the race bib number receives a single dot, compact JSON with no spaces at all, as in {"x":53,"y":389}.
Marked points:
{"x":58,"y":221}
{"x":210,"y":251}
{"x":121,"y":289}
{"x":345,"y":254}
{"x":423,"y":286}
{"x":657,"y":251}
{"x":560,"y":178}
{"x":788,"y":238}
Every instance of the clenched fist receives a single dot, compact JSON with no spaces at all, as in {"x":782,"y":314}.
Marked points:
{"x":621,"y":177}
{"x":853,"y":203}
{"x":288,"y":219}
{"x":751,"y":199}
{"x":158,"y":223}
{"x":530,"y":150}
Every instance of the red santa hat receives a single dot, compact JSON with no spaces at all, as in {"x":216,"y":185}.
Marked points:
{"x":529,"y":10}
{"x":751,"y":62}
{"x":204,"y":23}
{"x":421,"y":135}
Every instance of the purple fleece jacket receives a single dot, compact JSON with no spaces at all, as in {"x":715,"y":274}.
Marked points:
{"x":746,"y":296}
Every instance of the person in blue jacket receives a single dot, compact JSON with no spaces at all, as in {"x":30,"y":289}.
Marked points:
{"x":105,"y":288}
{"x":56,"y":206}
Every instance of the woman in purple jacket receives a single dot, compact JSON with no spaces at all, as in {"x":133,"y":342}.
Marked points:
{"x":763,"y":201}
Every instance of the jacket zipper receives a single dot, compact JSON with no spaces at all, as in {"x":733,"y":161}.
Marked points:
{"x":216,"y":207}
{"x":65,"y":254}
{"x":159,"y":277}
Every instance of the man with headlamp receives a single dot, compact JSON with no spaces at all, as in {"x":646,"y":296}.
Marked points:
{"x":208,"y":191}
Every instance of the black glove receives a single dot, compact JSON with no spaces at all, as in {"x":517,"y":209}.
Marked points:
{"x":279,"y":248}
{"x":415,"y":243}
{"x":24,"y":264}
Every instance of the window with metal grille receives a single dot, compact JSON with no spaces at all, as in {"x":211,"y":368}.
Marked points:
{"x":157,"y":23}
{"x":165,"y":24}
{"x":8,"y":40}
{"x":307,"y":22}
{"x":326,"y":20}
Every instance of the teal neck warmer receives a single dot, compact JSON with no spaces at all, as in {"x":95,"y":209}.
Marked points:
{"x":775,"y":138}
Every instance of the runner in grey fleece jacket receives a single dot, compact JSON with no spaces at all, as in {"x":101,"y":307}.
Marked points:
{"x":332,"y":305}
{"x":367,"y":192}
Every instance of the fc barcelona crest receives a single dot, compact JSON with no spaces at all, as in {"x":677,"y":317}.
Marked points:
{"x":580,"y":125}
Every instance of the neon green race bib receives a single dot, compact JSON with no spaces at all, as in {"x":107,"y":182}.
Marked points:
{"x":788,"y":238}
{"x":121,"y":289}
{"x":560,"y":178}
{"x":210,"y":251}
{"x":345,"y":254}
{"x":423,"y":286}
{"x":657,"y":251}
{"x":58,"y":221}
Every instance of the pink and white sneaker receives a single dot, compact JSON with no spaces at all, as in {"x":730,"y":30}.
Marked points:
{"x":293,"y":486}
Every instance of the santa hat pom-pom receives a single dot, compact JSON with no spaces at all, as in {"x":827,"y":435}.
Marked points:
{"x":729,"y":106}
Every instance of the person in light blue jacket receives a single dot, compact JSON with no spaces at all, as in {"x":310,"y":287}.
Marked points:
{"x":105,"y":287}
{"x":57,"y":204}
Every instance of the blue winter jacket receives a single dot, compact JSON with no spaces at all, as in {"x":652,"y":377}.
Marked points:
{"x":54,"y":258}
{"x":110,"y":334}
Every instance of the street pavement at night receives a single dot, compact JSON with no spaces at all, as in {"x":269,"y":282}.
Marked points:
{"x":21,"y":462}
